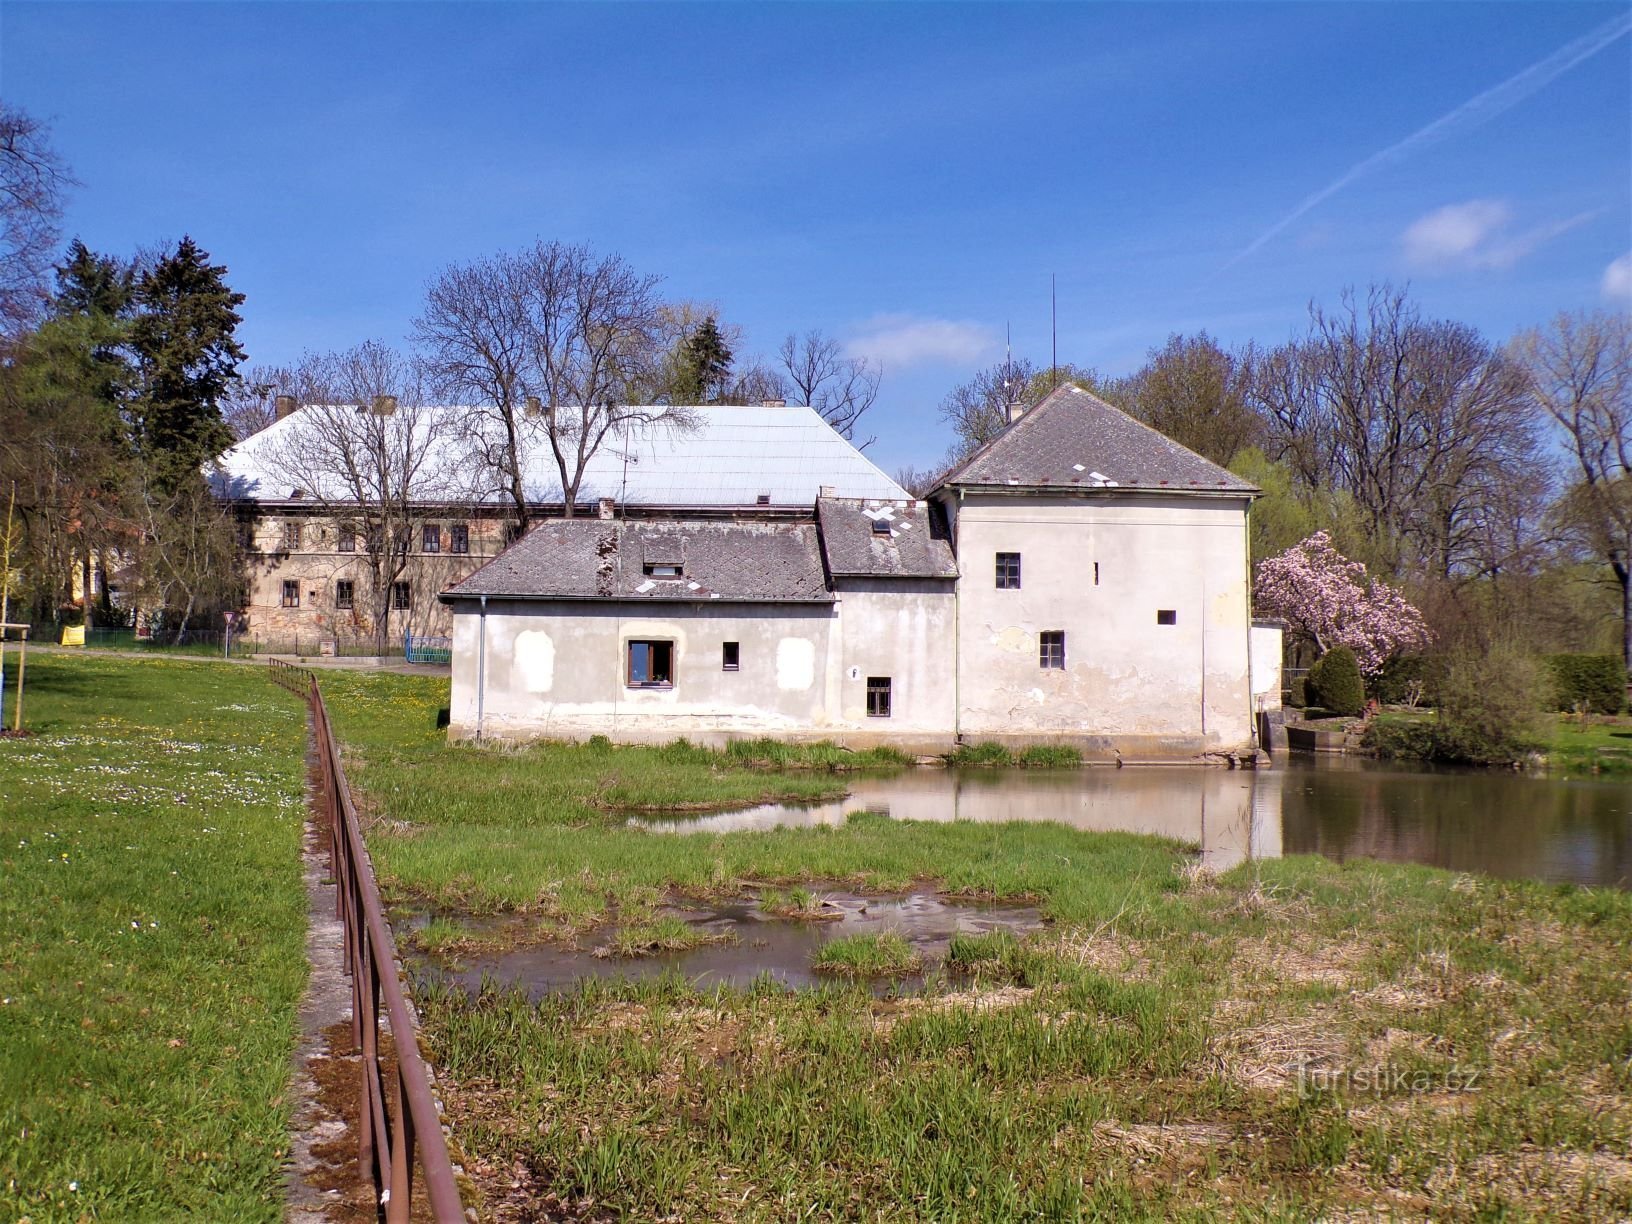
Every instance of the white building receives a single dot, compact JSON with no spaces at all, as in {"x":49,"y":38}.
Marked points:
{"x":1080,"y":579}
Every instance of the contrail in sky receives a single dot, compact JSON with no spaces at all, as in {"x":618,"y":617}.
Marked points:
{"x":1470,"y":114}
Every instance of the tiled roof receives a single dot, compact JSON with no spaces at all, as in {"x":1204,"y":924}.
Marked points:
{"x":882,"y":539}
{"x":1077,"y":440}
{"x":609,"y":559}
{"x":734,"y":457}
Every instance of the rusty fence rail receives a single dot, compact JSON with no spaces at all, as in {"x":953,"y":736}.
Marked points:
{"x":392,"y":1124}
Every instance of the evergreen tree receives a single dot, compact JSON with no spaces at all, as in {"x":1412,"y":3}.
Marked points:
{"x":703,"y":370}
{"x":187,"y":356}
{"x":92,"y":284}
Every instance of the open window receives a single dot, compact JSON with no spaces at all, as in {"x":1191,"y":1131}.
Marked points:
{"x":730,"y":656}
{"x":650,"y":665}
{"x":1167,"y":616}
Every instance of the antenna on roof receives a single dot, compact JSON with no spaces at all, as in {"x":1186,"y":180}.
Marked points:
{"x":1054,"y":329}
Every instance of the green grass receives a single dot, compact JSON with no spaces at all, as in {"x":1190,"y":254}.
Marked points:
{"x":989,"y":755}
{"x":1596,"y":745}
{"x":867,"y":956}
{"x":1137,"y":1059}
{"x":798,"y":904}
{"x":154,"y":926}
{"x":666,"y":934}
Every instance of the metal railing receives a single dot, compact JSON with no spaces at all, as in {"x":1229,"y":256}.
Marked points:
{"x":390,"y":1126}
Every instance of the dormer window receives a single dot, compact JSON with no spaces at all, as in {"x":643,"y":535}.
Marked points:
{"x":664,"y":571}
{"x":764,"y":499}
{"x":881,"y":527}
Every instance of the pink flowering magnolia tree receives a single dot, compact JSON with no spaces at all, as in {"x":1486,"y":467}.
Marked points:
{"x":1332,"y":601}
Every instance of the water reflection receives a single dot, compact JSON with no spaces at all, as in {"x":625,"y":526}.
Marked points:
{"x":1559,"y":830}
{"x":1231,"y":815}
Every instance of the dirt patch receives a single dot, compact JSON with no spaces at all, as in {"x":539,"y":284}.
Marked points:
{"x":1271,"y":1055}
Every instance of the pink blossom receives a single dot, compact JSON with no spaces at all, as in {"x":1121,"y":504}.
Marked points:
{"x":1333,"y":601}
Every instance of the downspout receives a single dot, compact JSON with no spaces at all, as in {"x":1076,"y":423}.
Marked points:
{"x":957,"y":629}
{"x":1252,"y":688}
{"x":481,"y":666}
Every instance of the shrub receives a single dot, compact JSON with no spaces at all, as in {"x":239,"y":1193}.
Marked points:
{"x":985,"y":754}
{"x":1491,"y":708}
{"x":1593,"y":682}
{"x":1335,"y":684}
{"x":1399,"y":739}
{"x":1405,"y":679}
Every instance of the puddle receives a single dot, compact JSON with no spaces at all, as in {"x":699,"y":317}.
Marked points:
{"x":764,"y":946}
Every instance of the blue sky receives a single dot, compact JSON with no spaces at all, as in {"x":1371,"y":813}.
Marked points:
{"x":905,"y":177}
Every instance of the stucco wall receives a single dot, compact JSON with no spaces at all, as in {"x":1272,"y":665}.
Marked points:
{"x":903,"y":629}
{"x":557,"y":668}
{"x":1130,"y":684}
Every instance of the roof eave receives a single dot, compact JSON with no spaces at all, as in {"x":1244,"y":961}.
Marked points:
{"x":1250,"y":491}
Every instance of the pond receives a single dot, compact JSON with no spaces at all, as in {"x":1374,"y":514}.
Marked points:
{"x":1575,"y":831}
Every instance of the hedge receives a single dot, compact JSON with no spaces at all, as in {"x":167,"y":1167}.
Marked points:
{"x":1595,"y":682}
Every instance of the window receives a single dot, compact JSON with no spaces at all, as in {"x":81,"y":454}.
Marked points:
{"x":1096,"y":573}
{"x":664,"y":571}
{"x":651,"y":665}
{"x":730,"y":656}
{"x":402,"y":596}
{"x":1008,"y":571}
{"x":430,"y":539}
{"x":291,"y":536}
{"x":1167,"y":616}
{"x":1051,"y":649}
{"x":343,"y":594}
{"x":878,"y":696}
{"x":345,"y":538}
{"x":459,"y":538}
{"x":291,"y":593}
{"x":881,"y":526}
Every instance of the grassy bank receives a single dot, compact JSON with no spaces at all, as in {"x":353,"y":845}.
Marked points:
{"x":1595,"y":744}
{"x":154,"y":948}
{"x":1295,"y":1038}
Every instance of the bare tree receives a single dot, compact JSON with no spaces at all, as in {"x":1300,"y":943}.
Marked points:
{"x":250,"y":402}
{"x":186,"y":558}
{"x":1580,"y":376}
{"x":577,"y":332}
{"x":1419,"y":422}
{"x":979,"y":410}
{"x":840,"y":388}
{"x":33,"y":180}
{"x":371,"y":454}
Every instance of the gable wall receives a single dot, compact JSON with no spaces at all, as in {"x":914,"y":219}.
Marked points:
{"x":1142,"y":687}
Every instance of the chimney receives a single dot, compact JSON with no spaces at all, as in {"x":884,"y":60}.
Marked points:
{"x":1016,"y":411}
{"x":385,"y":405}
{"x":607,"y":507}
{"x":773,"y":403}
{"x":827,"y":491}
{"x":285,"y":405}
{"x":532,"y":407}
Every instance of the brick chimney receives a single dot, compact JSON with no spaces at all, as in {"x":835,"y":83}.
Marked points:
{"x":284,"y":406}
{"x":532,"y":407}
{"x":607,"y":508}
{"x":385,"y":405}
{"x":1016,"y":411}
{"x":773,"y":403}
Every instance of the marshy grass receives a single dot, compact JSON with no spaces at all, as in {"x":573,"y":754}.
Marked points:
{"x":663,"y":934}
{"x":1150,"y":1055}
{"x":988,"y":755}
{"x":441,"y":936}
{"x":154,"y":951}
{"x":884,"y":955}
{"x":798,"y":904}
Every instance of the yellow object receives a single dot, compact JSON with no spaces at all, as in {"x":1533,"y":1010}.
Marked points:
{"x":73,"y":635}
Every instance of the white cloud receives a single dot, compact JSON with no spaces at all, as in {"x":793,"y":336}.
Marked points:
{"x":899,"y":341}
{"x":1477,"y":234}
{"x":1617,"y":284}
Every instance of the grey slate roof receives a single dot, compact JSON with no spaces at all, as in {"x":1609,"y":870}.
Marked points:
{"x":1077,"y":440}
{"x":606,"y":559}
{"x":906,"y":550}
